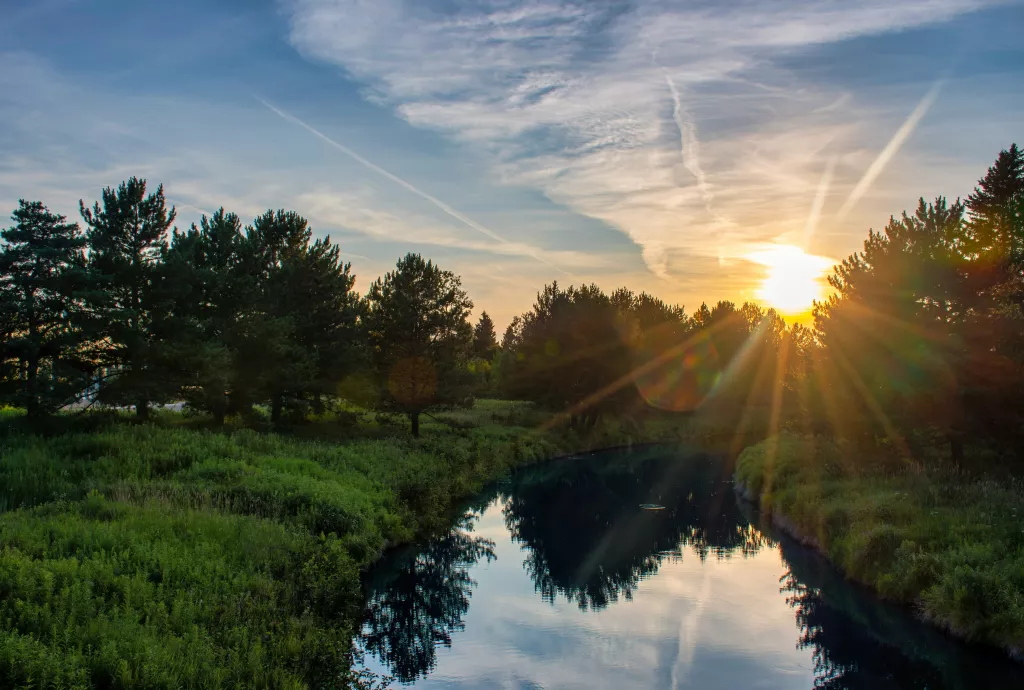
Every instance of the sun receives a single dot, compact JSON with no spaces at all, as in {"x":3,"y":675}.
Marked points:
{"x":794,"y":278}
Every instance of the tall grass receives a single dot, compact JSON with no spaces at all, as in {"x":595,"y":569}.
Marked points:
{"x":950,"y":544}
{"x":166,"y":556}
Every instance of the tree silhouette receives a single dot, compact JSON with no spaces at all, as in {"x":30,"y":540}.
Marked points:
{"x":860,"y":642}
{"x":590,"y":541}
{"x":127,"y":238}
{"x":485,"y":342}
{"x":43,"y":362}
{"x":415,"y":607}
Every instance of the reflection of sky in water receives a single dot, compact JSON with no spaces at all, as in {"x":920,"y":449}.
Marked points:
{"x":723,"y":623}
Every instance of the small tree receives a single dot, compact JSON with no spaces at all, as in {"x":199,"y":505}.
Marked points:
{"x":485,"y":340}
{"x":127,"y":239}
{"x":420,"y":338}
{"x":41,"y":277}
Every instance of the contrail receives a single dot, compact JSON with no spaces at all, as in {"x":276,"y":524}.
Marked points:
{"x":689,"y":146}
{"x":901,"y":135}
{"x":454,"y":213}
{"x":819,"y":200}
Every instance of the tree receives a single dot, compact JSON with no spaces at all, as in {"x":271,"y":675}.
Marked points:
{"x":44,"y":364}
{"x":420,"y":339}
{"x":996,"y":208}
{"x":325,"y":310}
{"x":127,"y":238}
{"x":204,"y":282}
{"x":485,"y":341}
{"x":910,"y":337}
{"x":572,"y":355}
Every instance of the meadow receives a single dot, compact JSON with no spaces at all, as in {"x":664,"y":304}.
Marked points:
{"x":168,"y":555}
{"x":945,"y":541}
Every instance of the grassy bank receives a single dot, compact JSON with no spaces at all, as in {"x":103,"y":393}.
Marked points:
{"x":949,"y":544}
{"x":166,"y":556}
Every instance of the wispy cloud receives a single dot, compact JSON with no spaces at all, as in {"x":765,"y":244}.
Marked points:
{"x":565,"y":98}
{"x":461,"y":217}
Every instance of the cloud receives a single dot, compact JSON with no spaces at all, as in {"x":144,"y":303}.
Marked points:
{"x":503,"y":244}
{"x":565,"y":97}
{"x":361,"y":210}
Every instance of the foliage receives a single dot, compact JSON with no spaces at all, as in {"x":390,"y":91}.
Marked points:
{"x":163,"y":556}
{"x":420,"y":339}
{"x":43,"y":365}
{"x":942,"y":541}
{"x":924,"y":329}
{"x":128,"y":324}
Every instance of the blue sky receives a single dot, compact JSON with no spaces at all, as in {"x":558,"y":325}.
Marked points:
{"x":649,"y":143}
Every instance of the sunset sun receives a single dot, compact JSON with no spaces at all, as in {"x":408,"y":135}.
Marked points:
{"x":794,"y":278}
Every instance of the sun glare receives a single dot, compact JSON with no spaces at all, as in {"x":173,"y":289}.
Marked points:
{"x":794,"y":279}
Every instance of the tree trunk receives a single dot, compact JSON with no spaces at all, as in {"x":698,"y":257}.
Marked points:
{"x":276,"y":406}
{"x":414,"y":417}
{"x":142,"y":410}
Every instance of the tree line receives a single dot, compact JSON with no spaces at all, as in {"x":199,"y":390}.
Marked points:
{"x":132,"y":312}
{"x":921,"y":338}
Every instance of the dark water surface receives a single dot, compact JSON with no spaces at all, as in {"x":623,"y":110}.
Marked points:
{"x":565,"y":577}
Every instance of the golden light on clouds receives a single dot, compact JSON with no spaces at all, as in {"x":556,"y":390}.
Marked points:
{"x":794,"y":278}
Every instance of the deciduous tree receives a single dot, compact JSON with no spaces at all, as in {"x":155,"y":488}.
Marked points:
{"x":420,"y":338}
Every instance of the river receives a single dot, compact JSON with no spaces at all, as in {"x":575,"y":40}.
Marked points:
{"x":641,"y":569}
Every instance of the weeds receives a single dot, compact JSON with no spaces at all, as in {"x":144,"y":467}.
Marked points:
{"x":170,"y":555}
{"x":950,"y":544}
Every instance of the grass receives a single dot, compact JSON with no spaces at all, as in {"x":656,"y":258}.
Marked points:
{"x":166,"y":555}
{"x":950,"y":544}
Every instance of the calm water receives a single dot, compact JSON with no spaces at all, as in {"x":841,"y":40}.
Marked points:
{"x":561,"y":579}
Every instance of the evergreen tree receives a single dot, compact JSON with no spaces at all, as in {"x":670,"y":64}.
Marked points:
{"x":420,"y":338}
{"x":326,"y":313}
{"x":908,"y":339}
{"x":44,"y":365}
{"x":271,"y":364}
{"x":996,"y":208}
{"x":203,"y":277}
{"x":485,"y":341}
{"x":127,"y":238}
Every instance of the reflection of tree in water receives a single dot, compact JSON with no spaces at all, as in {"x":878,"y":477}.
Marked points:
{"x":589,"y":540}
{"x":416,"y":606}
{"x":859,"y":642}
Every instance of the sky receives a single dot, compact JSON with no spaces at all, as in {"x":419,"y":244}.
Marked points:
{"x":664,"y":145}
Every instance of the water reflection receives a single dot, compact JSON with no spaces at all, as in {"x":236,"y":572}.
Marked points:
{"x":589,"y":540}
{"x":417,"y":603}
{"x":715,"y":614}
{"x":858,"y":642}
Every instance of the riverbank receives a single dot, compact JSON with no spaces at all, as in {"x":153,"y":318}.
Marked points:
{"x":166,"y":555}
{"x":947,"y":544}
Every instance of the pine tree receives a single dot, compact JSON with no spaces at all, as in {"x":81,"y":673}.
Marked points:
{"x":996,"y":206}
{"x":485,"y":341}
{"x":420,"y":338}
{"x":202,"y":276}
{"x":127,"y":239}
{"x":42,"y":262}
{"x":271,"y":364}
